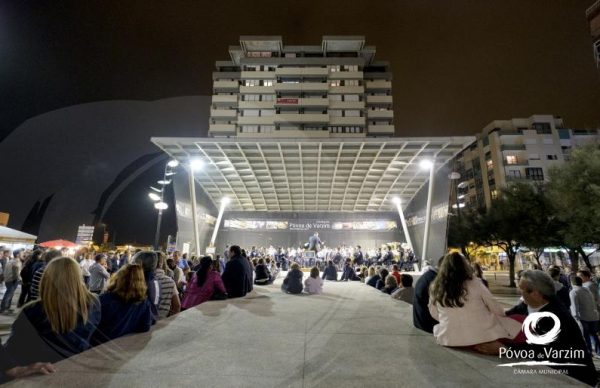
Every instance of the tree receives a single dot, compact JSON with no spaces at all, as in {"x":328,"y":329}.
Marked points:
{"x":462,"y":231}
{"x":574,"y":191}
{"x":510,"y":221}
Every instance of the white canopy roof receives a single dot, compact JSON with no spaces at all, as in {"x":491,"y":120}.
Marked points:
{"x":13,"y":236}
{"x":345,"y":174}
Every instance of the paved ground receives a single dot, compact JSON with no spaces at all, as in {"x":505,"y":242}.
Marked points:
{"x":351,"y":336}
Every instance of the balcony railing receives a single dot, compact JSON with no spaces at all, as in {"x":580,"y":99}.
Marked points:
{"x":513,"y":147}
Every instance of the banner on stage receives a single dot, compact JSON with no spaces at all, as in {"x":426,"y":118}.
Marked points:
{"x":301,"y":225}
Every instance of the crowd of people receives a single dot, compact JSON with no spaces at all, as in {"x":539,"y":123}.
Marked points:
{"x":70,"y":304}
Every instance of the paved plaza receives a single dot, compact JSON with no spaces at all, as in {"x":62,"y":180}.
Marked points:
{"x":350,"y":336}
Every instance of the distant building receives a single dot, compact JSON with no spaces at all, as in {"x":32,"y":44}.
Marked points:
{"x":515,"y":150}
{"x":593,"y":17}
{"x":335,"y":89}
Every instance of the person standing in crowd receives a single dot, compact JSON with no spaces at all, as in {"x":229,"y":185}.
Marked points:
{"x":4,"y":258}
{"x":359,"y":258}
{"x":466,"y":310}
{"x":237,"y":276}
{"x":178,"y":276}
{"x":12,"y":276}
{"x":27,"y":276}
{"x":562,"y":292}
{"x":38,"y":271}
{"x":583,"y":309}
{"x":422,"y":319}
{"x":204,"y":285}
{"x":406,"y":291}
{"x":592,"y":287}
{"x":85,"y":265}
{"x":149,"y":260}
{"x":98,"y":274}
{"x":58,"y":325}
{"x":125,"y":307}
{"x":292,"y":284}
{"x":313,"y":284}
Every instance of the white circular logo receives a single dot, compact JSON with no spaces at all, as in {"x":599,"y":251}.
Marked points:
{"x":530,"y":326}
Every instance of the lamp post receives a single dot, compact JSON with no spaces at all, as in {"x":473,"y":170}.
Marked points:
{"x":195,"y":165}
{"x":398,"y":204}
{"x":427,"y":164}
{"x":158,"y":196}
{"x":224,"y":202}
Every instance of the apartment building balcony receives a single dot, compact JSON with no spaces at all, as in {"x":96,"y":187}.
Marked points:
{"x":380,"y":114}
{"x":334,"y":120}
{"x":221,"y":129}
{"x":257,"y":75}
{"x":525,"y":179}
{"x":346,"y":90}
{"x":322,"y":102}
{"x":224,"y":86}
{"x":381,"y":130}
{"x":301,"y":72}
{"x":379,"y":100}
{"x":346,"y":75}
{"x":223,"y":113}
{"x":513,"y":147}
{"x":256,"y":105}
{"x":378,"y":85}
{"x":301,"y":87}
{"x":225,"y":100}
{"x":257,"y":90}
{"x":516,"y":163}
{"x":346,"y":104}
{"x":255,"y":120}
{"x":305,"y":118}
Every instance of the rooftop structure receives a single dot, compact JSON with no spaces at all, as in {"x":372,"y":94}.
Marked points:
{"x":335,"y":89}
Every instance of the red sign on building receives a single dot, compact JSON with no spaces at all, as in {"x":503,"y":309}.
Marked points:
{"x":290,"y":101}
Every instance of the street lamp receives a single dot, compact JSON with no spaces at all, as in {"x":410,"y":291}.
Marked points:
{"x":224,"y":202}
{"x":398,"y":204}
{"x":427,"y":164}
{"x":195,"y":164}
{"x":159,"y":200}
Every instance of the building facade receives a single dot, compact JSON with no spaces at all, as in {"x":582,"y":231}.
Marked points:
{"x":335,"y":89}
{"x":593,"y":17}
{"x":515,"y":150}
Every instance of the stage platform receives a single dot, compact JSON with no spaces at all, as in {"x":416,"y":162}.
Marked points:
{"x":351,"y":336}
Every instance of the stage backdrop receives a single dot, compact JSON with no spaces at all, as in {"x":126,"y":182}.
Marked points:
{"x":288,"y":229}
{"x":415,"y":215}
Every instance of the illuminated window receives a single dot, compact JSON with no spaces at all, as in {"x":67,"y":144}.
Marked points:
{"x":336,"y":82}
{"x":490,"y":165}
{"x":494,"y":194}
{"x":511,"y":159}
{"x":268,"y":82}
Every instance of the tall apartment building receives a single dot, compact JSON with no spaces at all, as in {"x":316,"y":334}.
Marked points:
{"x":335,"y":89}
{"x":515,"y":150}
{"x":593,"y":16}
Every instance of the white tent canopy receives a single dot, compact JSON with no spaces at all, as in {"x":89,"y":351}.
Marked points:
{"x":13,"y":236}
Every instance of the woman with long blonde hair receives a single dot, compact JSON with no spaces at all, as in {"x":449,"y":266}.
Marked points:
{"x":59,"y":324}
{"x":125,"y":306}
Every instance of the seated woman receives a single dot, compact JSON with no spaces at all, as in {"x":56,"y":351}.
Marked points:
{"x":58,"y":325}
{"x":313,"y":284}
{"x":390,"y":285}
{"x":205,"y":285}
{"x":292,"y":284}
{"x":383,"y":274}
{"x":467,"y":313}
{"x":125,"y":307}
{"x":262,"y":274}
{"x":406,"y":292}
{"x":372,"y":277}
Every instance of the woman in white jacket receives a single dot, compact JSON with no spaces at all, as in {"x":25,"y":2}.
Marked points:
{"x":467,"y":313}
{"x":313,"y":284}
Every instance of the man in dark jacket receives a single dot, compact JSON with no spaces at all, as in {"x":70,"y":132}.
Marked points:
{"x":349,"y":273}
{"x":539,"y":295}
{"x":359,"y":259}
{"x":330,"y":272}
{"x":237,"y":276}
{"x":422,"y":319}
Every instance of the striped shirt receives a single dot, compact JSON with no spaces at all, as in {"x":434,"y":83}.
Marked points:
{"x":34,"y":291}
{"x":167,"y":289}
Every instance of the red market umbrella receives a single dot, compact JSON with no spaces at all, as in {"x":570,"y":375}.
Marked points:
{"x":58,"y":244}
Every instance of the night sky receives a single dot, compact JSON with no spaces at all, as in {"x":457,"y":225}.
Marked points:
{"x":457,"y":65}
